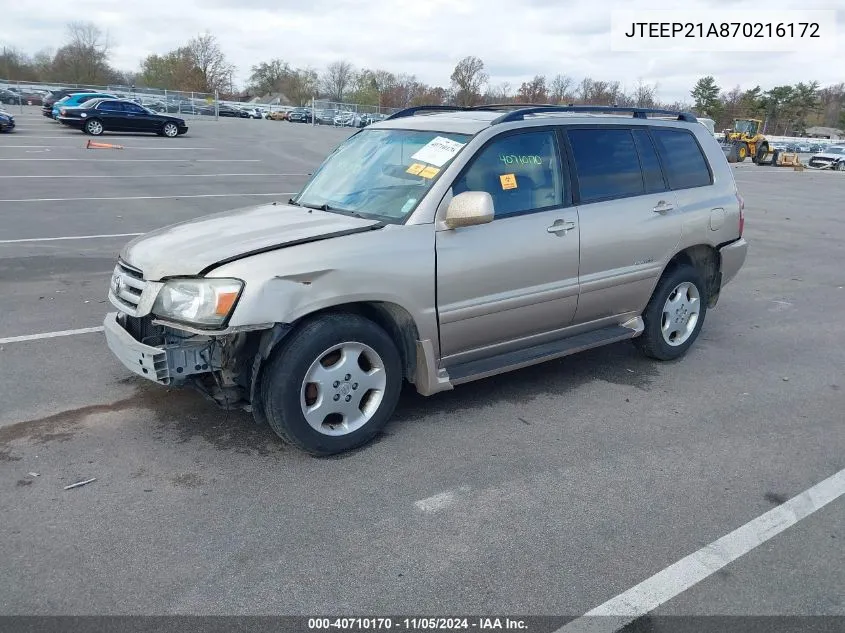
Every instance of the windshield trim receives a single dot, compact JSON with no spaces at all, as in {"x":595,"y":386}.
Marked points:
{"x":379,"y":217}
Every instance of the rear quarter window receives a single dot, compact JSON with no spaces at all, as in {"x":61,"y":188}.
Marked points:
{"x":683,"y":160}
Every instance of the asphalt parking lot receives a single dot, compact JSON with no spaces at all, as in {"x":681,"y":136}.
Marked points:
{"x":547,"y":491}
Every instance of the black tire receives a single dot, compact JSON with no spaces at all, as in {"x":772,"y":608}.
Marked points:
{"x":92,"y":124}
{"x":741,"y":152}
{"x":282,"y":381}
{"x":760,"y":156}
{"x":651,"y":342}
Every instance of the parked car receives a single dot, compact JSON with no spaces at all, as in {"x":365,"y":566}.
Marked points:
{"x":48,"y":101}
{"x":71,"y":101}
{"x":9,"y":97}
{"x":227,"y":111}
{"x":326,"y":117}
{"x":113,"y":115}
{"x":7,"y":121}
{"x":313,"y":313}
{"x":832,"y":157}
{"x":300,"y":115}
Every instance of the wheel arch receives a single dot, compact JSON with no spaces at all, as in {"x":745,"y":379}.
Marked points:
{"x":706,"y":259}
{"x":393,"y":318}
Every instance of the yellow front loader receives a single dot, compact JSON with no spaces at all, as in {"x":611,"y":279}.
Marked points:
{"x":744,"y":140}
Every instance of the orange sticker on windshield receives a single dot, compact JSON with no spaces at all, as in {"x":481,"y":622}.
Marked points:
{"x":429,"y":172}
{"x":415,"y":169}
{"x":508,"y":181}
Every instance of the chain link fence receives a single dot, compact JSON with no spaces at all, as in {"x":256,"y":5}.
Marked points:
{"x":193,"y":104}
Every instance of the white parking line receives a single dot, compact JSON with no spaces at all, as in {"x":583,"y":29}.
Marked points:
{"x":156,"y":176}
{"x":36,"y":337}
{"x":620,"y":611}
{"x":199,"y":195}
{"x":145,"y":160}
{"x":70,"y":237}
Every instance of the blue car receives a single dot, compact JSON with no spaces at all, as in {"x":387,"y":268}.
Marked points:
{"x":7,"y":121}
{"x":75,"y":100}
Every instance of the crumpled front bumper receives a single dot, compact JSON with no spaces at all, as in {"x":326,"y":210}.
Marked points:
{"x":166,"y":363}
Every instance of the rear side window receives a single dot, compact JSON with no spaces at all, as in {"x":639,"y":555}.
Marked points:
{"x":682,"y":157}
{"x":652,"y":174}
{"x":606,"y":163}
{"x":111,"y":106}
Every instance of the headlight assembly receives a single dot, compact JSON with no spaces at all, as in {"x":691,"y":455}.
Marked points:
{"x":206,"y":302}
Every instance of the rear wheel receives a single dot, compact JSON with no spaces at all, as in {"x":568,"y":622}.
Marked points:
{"x":674,"y":314}
{"x":94,"y":127}
{"x":333,"y":385}
{"x":840,"y":166}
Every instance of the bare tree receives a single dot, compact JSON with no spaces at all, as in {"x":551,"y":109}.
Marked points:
{"x":211,"y":63}
{"x":84,"y":58}
{"x":534,"y":91}
{"x":644,"y":95}
{"x":337,"y":78}
{"x":300,"y":85}
{"x":561,"y":89}
{"x":468,"y":78}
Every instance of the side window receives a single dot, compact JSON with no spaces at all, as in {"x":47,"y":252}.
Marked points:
{"x":133,"y":108}
{"x":685,"y":164}
{"x":652,"y":174}
{"x":110,"y":106}
{"x":521,"y":171}
{"x":606,"y":163}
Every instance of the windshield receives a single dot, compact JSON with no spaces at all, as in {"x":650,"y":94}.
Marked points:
{"x":748,"y":127}
{"x":381,"y":174}
{"x":836,"y":150}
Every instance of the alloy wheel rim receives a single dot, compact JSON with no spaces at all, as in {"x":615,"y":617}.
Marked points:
{"x":680,"y":314}
{"x":343,"y":388}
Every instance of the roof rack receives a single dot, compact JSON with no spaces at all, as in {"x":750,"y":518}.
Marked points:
{"x":426,"y":108}
{"x":518,"y":111}
{"x":638,"y":113}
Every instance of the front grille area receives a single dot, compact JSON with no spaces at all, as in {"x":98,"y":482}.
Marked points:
{"x":127,"y":284}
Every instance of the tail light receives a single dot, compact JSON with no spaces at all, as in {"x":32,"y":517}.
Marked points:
{"x":741,"y":213}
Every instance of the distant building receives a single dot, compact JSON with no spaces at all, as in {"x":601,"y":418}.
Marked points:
{"x":832,"y":133}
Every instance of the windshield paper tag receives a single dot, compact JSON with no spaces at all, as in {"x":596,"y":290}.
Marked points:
{"x":429,"y":172}
{"x":438,"y":151}
{"x":415,"y":169}
{"x":508,"y":181}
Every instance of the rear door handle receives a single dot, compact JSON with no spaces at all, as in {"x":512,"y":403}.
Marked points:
{"x":663,"y":207}
{"x":561,"y":227}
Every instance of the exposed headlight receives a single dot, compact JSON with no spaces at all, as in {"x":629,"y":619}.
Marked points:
{"x":198,"y":301}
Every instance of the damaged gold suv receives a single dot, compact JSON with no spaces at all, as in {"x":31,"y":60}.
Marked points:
{"x":439,"y":246}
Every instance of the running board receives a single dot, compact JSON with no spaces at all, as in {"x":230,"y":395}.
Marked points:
{"x":509,"y":361}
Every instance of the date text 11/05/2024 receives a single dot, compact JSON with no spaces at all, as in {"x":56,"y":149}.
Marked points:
{"x":417,"y":624}
{"x":723,"y":29}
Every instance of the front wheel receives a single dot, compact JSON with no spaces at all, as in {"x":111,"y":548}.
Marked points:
{"x":170,"y":130}
{"x":93,"y":127}
{"x":333,"y":385}
{"x":674,"y":314}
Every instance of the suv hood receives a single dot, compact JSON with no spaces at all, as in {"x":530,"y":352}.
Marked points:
{"x":195,"y":246}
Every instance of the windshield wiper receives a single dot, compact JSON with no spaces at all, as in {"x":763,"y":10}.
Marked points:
{"x":294,"y":202}
{"x":328,"y":207}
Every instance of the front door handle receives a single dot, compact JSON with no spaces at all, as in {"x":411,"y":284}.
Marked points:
{"x":663,"y":207}
{"x":561,"y":227}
